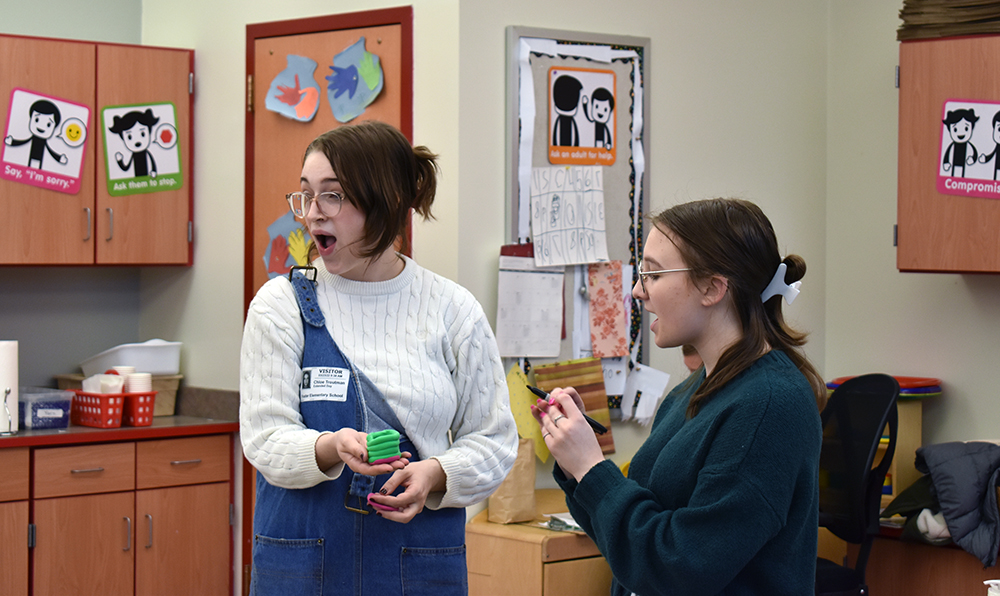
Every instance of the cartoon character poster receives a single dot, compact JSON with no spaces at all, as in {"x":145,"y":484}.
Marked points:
{"x":969,"y":162}
{"x":44,"y":142}
{"x":141,"y":150}
{"x":582,"y":117}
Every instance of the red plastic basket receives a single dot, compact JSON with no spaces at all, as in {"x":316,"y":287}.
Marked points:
{"x":138,"y":409}
{"x":101,"y":410}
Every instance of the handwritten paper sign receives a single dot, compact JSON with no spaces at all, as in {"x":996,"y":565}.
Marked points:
{"x":567,"y":215}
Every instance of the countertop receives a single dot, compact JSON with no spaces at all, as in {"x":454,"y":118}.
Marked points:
{"x":162,"y":426}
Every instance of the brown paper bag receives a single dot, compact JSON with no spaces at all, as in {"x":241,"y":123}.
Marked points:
{"x":514,"y":500}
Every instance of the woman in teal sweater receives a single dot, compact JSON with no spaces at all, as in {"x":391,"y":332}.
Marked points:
{"x":722,"y":498}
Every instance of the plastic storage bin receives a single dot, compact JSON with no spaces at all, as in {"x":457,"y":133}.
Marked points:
{"x":40,"y":408}
{"x":101,"y":410}
{"x":138,"y":409}
{"x":156,"y":356}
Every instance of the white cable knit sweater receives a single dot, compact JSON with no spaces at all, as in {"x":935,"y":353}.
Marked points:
{"x":425,"y":343}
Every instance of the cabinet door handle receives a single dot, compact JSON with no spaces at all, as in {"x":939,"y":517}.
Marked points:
{"x":88,"y":470}
{"x":149,"y":522}
{"x":87,"y":209}
{"x":128,"y":546}
{"x":111,"y":223}
{"x":181,"y":462}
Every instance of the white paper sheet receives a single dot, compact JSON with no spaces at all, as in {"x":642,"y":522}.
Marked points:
{"x":529,"y":308}
{"x":652,"y":383}
{"x":567,"y":215}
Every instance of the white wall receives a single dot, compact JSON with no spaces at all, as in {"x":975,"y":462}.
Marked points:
{"x":878,"y":319}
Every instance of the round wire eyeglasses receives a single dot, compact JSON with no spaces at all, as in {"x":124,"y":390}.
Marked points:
{"x":329,"y":202}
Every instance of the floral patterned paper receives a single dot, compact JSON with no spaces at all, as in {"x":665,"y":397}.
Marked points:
{"x":608,"y":322}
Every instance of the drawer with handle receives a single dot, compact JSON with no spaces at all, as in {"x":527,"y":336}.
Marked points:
{"x":84,"y":469}
{"x":176,"y":462}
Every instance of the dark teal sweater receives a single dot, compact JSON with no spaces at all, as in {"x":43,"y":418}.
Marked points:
{"x":723,"y":503}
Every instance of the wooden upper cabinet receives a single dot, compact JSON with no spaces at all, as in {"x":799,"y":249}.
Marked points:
{"x":94,"y":225}
{"x":145,"y":228}
{"x":940,"y":232}
{"x":43,"y":226}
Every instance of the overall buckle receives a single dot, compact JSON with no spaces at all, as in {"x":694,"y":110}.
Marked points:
{"x":362,"y":504}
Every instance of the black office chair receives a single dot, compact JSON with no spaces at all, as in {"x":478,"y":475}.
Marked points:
{"x":850,"y":493}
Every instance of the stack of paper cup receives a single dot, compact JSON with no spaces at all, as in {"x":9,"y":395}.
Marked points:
{"x":138,"y":383}
{"x":124,"y":371}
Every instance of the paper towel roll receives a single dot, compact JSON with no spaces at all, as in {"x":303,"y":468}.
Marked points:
{"x":8,"y":385}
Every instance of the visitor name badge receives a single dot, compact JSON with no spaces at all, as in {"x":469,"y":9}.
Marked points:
{"x":324,"y":383}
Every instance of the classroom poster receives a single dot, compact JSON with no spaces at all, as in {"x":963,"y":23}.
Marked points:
{"x":969,"y":162}
{"x":44,"y":142}
{"x":141,"y":149}
{"x":582,"y":117}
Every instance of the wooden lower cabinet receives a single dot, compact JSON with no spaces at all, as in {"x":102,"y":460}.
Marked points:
{"x":520,"y":560}
{"x":84,"y":545}
{"x":182,"y":548}
{"x":14,"y":548}
{"x":120,"y":518}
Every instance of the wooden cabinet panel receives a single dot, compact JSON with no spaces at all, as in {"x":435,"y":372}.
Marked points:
{"x":149,"y":228}
{"x":14,"y":548}
{"x":14,"y":463}
{"x":84,"y":545}
{"x":44,"y":226}
{"x":62,"y":471}
{"x":173,"y":535}
{"x":941,"y":232}
{"x":173,"y":462}
{"x":579,"y":577}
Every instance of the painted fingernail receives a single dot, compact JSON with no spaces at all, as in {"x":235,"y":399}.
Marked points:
{"x":383,"y":491}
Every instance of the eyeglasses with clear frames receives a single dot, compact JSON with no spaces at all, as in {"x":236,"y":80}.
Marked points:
{"x":329,"y":202}
{"x":643,"y":274}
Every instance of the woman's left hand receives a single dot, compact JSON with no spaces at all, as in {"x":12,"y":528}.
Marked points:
{"x":566,"y":433}
{"x":418,"y":479}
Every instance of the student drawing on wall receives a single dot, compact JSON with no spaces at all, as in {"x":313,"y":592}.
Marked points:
{"x":602,"y":105}
{"x":136,"y":131}
{"x":566,"y":100}
{"x":43,"y":121}
{"x":960,"y":124}
{"x":996,"y":148}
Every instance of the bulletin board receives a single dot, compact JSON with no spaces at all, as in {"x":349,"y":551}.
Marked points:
{"x":604,"y":71}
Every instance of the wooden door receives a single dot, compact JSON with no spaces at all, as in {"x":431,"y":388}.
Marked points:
{"x":14,"y":548}
{"x":85,"y":545}
{"x":149,"y":228}
{"x":183,"y":528}
{"x":276,"y":143}
{"x":42,"y":226}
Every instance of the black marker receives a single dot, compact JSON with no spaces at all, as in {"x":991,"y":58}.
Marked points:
{"x":597,"y":426}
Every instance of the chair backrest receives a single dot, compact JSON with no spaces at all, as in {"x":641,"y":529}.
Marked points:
{"x":854,"y":422}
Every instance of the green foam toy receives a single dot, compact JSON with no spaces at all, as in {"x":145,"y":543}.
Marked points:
{"x":383,"y":446}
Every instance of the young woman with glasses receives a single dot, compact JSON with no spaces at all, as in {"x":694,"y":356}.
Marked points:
{"x":722,"y":498}
{"x":384,"y":344}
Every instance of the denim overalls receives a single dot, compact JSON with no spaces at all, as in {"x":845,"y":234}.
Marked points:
{"x":326,"y":540}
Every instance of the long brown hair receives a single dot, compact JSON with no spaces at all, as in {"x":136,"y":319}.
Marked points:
{"x":733,"y":238}
{"x":383,"y":176}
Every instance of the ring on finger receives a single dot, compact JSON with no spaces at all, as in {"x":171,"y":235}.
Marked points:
{"x":557,"y":419}
{"x":546,"y":435}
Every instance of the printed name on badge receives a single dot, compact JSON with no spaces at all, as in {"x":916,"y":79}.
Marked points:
{"x":324,"y":383}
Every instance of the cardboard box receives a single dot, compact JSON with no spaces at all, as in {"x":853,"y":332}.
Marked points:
{"x":165,"y":387}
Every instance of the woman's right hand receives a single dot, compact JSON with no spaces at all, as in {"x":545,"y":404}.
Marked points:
{"x":350,"y":447}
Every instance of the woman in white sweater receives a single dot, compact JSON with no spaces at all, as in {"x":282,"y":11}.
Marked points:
{"x":368,"y":340}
